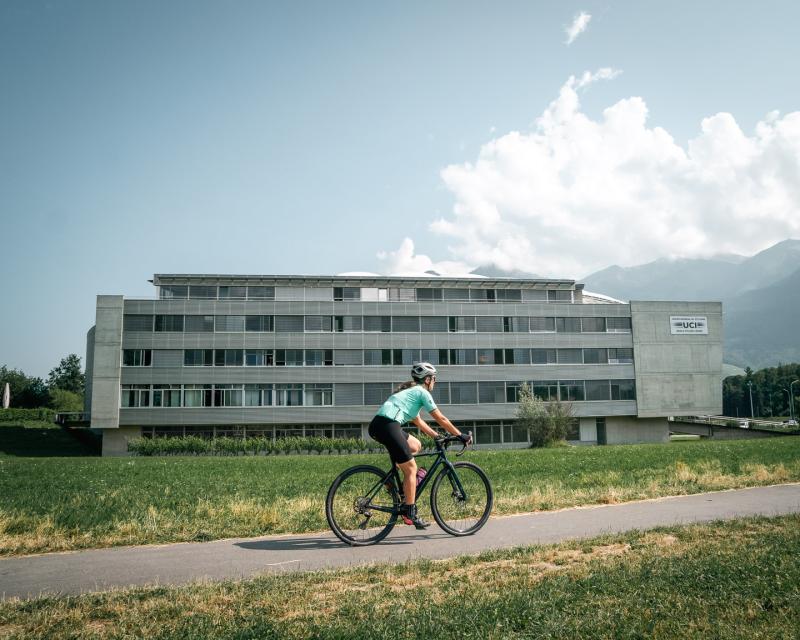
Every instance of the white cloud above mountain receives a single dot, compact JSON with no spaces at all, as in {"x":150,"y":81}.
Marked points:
{"x":578,"y":26}
{"x":576,"y":194}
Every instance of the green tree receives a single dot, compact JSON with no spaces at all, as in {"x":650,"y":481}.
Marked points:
{"x":67,"y":375}
{"x":546,"y":423}
{"x":65,"y":401}
{"x":26,"y":392}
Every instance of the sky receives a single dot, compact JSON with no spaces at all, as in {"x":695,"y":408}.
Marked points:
{"x":320,"y":138}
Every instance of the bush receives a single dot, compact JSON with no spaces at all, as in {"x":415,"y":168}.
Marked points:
{"x":23,"y":415}
{"x":547,"y":423}
{"x":65,"y":401}
{"x":227,"y":446}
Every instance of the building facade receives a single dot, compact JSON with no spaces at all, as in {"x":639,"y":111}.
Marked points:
{"x":300,"y":355}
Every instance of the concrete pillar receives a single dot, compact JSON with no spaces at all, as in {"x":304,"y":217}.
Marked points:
{"x":115,"y":441}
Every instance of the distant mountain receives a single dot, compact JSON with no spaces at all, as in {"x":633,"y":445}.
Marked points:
{"x":490,"y":271}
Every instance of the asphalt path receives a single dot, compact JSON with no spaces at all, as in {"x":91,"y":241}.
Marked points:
{"x":173,"y":564}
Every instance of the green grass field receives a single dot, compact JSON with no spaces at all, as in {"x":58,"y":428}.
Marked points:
{"x":40,"y":439}
{"x":739,"y":579}
{"x":52,"y":504}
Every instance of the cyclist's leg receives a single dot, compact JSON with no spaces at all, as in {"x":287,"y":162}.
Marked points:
{"x":414,"y":444}
{"x":409,"y":470}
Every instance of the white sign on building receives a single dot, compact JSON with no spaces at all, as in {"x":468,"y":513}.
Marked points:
{"x":682,"y":325}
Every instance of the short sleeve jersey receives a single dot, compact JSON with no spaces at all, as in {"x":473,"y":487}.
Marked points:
{"x":405,"y":405}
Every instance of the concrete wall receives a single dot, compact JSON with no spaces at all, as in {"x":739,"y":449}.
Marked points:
{"x":106,"y":363}
{"x":630,"y":430}
{"x":115,"y":441}
{"x":87,"y":391}
{"x":676,"y":374}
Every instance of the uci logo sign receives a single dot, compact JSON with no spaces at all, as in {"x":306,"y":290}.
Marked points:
{"x":682,"y":325}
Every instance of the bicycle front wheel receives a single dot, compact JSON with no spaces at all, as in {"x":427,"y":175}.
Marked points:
{"x":461,"y":499}
{"x":359,"y":508}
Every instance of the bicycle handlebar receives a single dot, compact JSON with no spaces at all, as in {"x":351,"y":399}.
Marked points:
{"x":445,"y":440}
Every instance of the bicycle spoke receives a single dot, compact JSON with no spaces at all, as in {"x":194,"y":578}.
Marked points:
{"x":461,"y":501}
{"x":360,"y":507}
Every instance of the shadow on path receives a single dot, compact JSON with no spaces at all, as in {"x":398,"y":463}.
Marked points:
{"x":322,"y":544}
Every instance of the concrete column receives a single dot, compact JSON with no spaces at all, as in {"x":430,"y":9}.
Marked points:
{"x":115,"y":441}
{"x":106,"y":366}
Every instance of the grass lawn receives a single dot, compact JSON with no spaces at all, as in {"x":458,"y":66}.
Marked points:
{"x":739,"y":579}
{"x":51,"y":504}
{"x":39,"y":439}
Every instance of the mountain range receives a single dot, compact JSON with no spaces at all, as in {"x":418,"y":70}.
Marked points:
{"x":760,"y":296}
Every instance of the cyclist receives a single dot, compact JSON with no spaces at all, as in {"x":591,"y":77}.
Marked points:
{"x":386,"y":427}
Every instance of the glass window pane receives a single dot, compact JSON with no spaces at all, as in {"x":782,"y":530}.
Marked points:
{"x":620,"y":356}
{"x":462,"y":356}
{"x":456,"y":295}
{"x":382,"y":324}
{"x":433,"y":324}
{"x":571,"y":390}
{"x":618,"y":325}
{"x":543,"y":356}
{"x":508,"y":295}
{"x":570,"y":356}
{"x":487,"y":324}
{"x":319,"y":323}
{"x":595,"y":356}
{"x":289,"y":324}
{"x":623,"y":390}
{"x":543,"y":325}
{"x":375,"y":393}
{"x":197,"y":324}
{"x":597,"y":390}
{"x":133,"y":322}
{"x":203,"y":292}
{"x":173,"y":292}
{"x":516,"y":324}
{"x":491,"y":392}
{"x":593,"y":325}
{"x":459,"y":324}
{"x":229,"y":323}
{"x":425,"y":295}
{"x":169,"y":323}
{"x":405,"y":324}
{"x":232,"y":293}
{"x":568,"y":325}
{"x":463,"y":393}
{"x":261,"y":293}
{"x":559,"y":296}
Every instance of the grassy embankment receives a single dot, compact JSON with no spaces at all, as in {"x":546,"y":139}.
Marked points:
{"x":52,"y":504}
{"x":39,"y":439}
{"x":739,"y":579}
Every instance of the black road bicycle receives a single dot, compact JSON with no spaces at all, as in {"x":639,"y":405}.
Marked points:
{"x":363,"y":503}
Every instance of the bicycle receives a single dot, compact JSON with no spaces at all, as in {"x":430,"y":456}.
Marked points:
{"x":363,"y":503}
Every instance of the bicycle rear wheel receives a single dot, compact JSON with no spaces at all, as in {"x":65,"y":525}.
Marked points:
{"x":359,"y":509}
{"x":461,"y":500}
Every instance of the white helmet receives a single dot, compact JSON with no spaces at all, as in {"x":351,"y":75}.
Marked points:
{"x":422,"y":370}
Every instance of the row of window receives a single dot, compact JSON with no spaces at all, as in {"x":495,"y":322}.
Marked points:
{"x":372,"y":324}
{"x":381,"y":357}
{"x":361,"y":294}
{"x":368,"y":394}
{"x":484,"y":432}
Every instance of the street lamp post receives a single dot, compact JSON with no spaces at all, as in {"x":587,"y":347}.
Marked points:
{"x":791,"y":396}
{"x":750,"y":386}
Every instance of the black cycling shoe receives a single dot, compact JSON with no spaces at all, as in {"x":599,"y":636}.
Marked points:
{"x":410,"y":516}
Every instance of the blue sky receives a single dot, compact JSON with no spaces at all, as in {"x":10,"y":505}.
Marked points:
{"x":304,"y":137}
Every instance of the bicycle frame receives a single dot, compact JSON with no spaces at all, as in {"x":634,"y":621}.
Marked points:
{"x":393,"y":475}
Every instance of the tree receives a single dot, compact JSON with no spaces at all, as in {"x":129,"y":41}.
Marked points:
{"x":26,"y":392}
{"x":547,"y":423}
{"x":67,"y":375}
{"x":65,"y":401}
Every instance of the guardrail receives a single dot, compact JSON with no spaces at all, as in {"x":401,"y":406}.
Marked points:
{"x":73,"y":418}
{"x":740,"y":423}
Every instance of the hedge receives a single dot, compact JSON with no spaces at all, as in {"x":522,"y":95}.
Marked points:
{"x":24,"y":415}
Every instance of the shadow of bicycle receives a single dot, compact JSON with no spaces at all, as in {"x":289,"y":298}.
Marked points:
{"x":325,"y":543}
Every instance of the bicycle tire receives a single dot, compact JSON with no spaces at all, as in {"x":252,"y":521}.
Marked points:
{"x":347,"y":518}
{"x":453,"y":514}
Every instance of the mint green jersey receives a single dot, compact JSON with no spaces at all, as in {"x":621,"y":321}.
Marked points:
{"x":405,"y":405}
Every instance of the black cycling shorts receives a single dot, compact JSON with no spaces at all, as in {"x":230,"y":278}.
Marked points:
{"x":391,"y":435}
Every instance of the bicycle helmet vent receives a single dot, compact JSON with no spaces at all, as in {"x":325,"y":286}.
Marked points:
{"x":422,"y":370}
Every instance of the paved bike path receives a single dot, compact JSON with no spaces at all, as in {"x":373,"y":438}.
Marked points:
{"x":172,"y":564}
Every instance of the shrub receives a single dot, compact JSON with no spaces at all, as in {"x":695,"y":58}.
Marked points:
{"x":547,"y":423}
{"x":22,"y":415}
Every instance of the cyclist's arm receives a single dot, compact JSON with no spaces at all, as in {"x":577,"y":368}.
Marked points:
{"x":423,"y":426}
{"x":444,"y":422}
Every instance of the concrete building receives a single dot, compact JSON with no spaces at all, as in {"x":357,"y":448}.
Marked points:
{"x":299,"y":355}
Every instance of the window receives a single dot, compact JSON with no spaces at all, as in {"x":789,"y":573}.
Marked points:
{"x":456,"y":295}
{"x":435,"y":356}
{"x":258,"y":395}
{"x":543,"y":325}
{"x":512,"y":391}
{"x":259,"y":324}
{"x":137,"y":357}
{"x":543,"y":356}
{"x":402,"y":295}
{"x":546,"y":390}
{"x":372,"y":294}
{"x":227,"y":395}
{"x":259,"y":357}
{"x":433,"y":324}
{"x":514,"y":324}
{"x":289,"y":324}
{"x":459,"y":324}
{"x":595,"y":356}
{"x":232,"y":293}
{"x":346,"y":293}
{"x":288,"y":395}
{"x":319,"y":357}
{"x":568,"y":325}
{"x":228,"y":358}
{"x":488,"y":434}
{"x":319,"y":395}
{"x":534,"y":295}
{"x":131,"y":322}
{"x":405,"y":357}
{"x":173,"y":292}
{"x":517,"y":356}
{"x":170,"y":323}
{"x":166,"y":395}
{"x":491,"y":392}
{"x":618,"y":325}
{"x":347,"y":323}
{"x":490,"y":356}
{"x":462,"y":356}
{"x":198,"y":357}
{"x":348,"y":357}
{"x":623,"y":390}
{"x":428,"y":295}
{"x":375,"y":393}
{"x":198,"y":324}
{"x":514,"y":433}
{"x":441,"y":393}
{"x":554,"y":295}
{"x":571,"y":390}
{"x":289,"y":357}
{"x":261,"y":293}
{"x":349,"y":394}
{"x":481,"y":295}
{"x":597,"y":390}
{"x":405,"y":324}
{"x":203,"y":292}
{"x":381,"y":324}
{"x":197,"y":395}
{"x":319,"y":323}
{"x":229,"y":324}
{"x":570,"y":356}
{"x":489,"y":324}
{"x":620,"y":356}
{"x":593,"y":325}
{"x":135,"y":395}
{"x":508,"y":295}
{"x":378,"y":357}
{"x":463,"y":393}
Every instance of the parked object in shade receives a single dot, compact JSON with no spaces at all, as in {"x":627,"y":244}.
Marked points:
{"x":6,"y":396}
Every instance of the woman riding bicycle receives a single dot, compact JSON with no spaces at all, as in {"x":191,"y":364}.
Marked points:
{"x":386,"y":427}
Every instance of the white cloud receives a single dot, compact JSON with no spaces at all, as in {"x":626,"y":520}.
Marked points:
{"x":404,"y":262}
{"x":577,"y":27}
{"x":576,"y":194}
